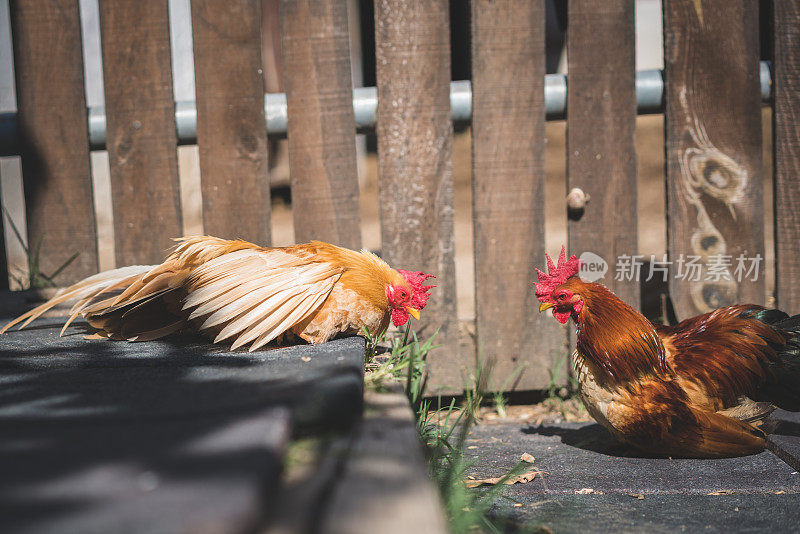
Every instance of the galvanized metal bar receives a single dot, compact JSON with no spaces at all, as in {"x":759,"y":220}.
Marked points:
{"x":649,"y":99}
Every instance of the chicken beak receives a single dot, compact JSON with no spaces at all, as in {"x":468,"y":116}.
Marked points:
{"x":545,"y":306}
{"x":413,"y":313}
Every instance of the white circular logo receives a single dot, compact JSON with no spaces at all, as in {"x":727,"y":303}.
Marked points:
{"x":593,"y":267}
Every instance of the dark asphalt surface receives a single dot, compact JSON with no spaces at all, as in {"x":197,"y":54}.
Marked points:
{"x":593,"y":484}
{"x":173,"y":435}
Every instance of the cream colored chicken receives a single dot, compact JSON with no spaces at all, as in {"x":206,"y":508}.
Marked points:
{"x":246,"y":294}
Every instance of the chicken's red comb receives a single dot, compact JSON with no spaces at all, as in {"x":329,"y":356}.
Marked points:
{"x":415,"y":279}
{"x":556,"y":274}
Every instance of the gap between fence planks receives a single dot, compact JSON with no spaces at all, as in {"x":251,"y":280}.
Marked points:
{"x":141,"y":136}
{"x":415,"y":149}
{"x":321,"y":128}
{"x":601,"y":120}
{"x":786,"y":147}
{"x":713,"y":137}
{"x":54,"y":136}
{"x":508,"y":68}
{"x":231,"y":130}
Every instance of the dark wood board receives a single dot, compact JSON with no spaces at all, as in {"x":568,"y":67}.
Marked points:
{"x":140,"y":135}
{"x":786,"y":146}
{"x":383,"y":485}
{"x":231,"y":129}
{"x":714,"y":165}
{"x":601,"y":120}
{"x":172,"y":435}
{"x":321,"y":129}
{"x":54,"y":139}
{"x":415,"y":167}
{"x":508,"y":68}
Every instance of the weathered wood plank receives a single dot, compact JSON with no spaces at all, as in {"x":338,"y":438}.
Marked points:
{"x":231,"y":130}
{"x":140,"y":134}
{"x":383,"y":485}
{"x":713,"y":136}
{"x":10,"y":168}
{"x":786,"y":146}
{"x":508,"y":69}
{"x":415,"y":145}
{"x":321,"y":129}
{"x":601,"y":119}
{"x":54,"y":135}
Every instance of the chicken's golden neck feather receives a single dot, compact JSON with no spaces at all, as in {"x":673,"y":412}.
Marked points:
{"x":364,"y":272}
{"x":617,"y":338}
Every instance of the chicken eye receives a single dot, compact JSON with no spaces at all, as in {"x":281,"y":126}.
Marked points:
{"x":562,"y":296}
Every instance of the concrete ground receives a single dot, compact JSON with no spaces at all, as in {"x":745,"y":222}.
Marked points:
{"x":592,"y":484}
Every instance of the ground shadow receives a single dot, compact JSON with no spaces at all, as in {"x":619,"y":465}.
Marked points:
{"x":102,"y":431}
{"x":787,"y":428}
{"x":591,"y":437}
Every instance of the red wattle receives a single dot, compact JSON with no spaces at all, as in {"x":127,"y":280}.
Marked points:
{"x":561,"y":316}
{"x":399,"y":317}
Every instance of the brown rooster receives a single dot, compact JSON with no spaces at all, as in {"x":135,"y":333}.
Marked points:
{"x":239,"y":291}
{"x":701,"y":388}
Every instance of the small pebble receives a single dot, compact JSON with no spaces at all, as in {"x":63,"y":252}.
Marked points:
{"x":147,"y":481}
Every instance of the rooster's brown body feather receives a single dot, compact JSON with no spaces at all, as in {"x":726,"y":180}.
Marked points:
{"x":683,"y":390}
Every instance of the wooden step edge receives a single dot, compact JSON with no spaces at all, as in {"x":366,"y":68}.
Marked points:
{"x":384,"y":485}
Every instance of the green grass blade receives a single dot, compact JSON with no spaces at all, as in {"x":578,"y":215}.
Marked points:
{"x":16,"y":231}
{"x":64,"y":266}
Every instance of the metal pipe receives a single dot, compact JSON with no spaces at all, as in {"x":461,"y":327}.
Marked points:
{"x":555,"y":96}
{"x":649,"y":92}
{"x":649,"y":99}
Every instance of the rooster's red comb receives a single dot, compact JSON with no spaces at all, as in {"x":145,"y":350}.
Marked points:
{"x":415,"y":279}
{"x":556,"y":274}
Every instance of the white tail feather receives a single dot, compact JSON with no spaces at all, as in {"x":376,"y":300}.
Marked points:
{"x":88,"y":287}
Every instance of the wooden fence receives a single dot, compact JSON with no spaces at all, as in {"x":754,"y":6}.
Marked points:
{"x":712,"y":107}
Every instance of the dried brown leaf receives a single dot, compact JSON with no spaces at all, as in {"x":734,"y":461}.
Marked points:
{"x":516,"y":479}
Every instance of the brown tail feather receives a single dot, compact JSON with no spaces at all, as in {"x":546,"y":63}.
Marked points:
{"x":709,"y":435}
{"x":722,"y":436}
{"x":670,"y":426}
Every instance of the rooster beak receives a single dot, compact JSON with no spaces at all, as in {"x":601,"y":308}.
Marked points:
{"x":413,"y":313}
{"x":545,"y":306}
